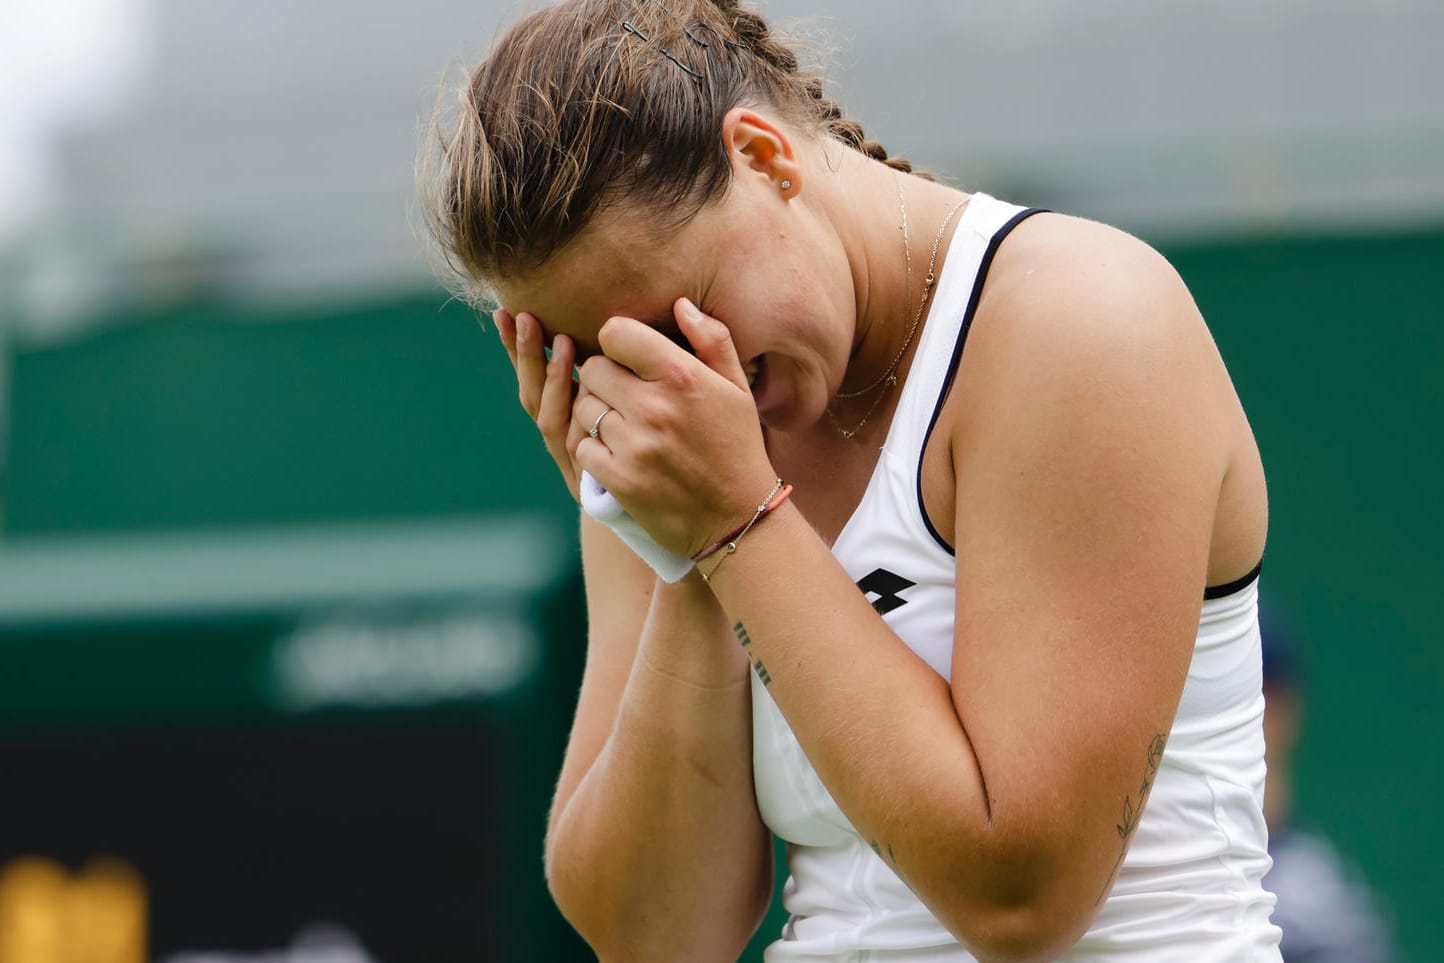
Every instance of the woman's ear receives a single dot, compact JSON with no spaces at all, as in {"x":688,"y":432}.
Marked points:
{"x":757,"y":143}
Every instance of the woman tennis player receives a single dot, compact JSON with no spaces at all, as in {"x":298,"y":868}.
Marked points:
{"x":969,"y":514}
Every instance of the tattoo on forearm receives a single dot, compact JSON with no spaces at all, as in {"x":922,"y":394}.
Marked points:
{"x":757,"y":665}
{"x":1133,"y":810}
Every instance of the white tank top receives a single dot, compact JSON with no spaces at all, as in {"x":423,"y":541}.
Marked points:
{"x":1190,"y":888}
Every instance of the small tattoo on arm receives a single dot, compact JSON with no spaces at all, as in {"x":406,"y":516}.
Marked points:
{"x":1133,"y":807}
{"x":890,"y":859}
{"x":757,"y":665}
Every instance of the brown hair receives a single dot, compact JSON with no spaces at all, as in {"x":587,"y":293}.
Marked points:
{"x":588,"y":102}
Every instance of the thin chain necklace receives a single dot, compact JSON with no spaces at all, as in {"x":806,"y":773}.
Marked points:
{"x":889,"y":377}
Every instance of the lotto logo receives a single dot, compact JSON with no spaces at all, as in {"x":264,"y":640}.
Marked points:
{"x":882,"y":588}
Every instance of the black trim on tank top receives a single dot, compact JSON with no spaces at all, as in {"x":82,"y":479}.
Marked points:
{"x":1238,"y":584}
{"x":1210,"y":592}
{"x":972,"y":309}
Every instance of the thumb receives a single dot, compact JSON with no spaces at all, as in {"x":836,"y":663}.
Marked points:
{"x":711,"y":341}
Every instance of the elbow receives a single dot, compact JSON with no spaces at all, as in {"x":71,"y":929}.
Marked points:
{"x":1030,"y":909}
{"x":575,"y":900}
{"x":600,"y":930}
{"x":1022,"y":934}
{"x":624,"y":921}
{"x":563,"y":892}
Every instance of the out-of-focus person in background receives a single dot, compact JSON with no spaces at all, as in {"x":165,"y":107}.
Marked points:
{"x":1326,"y":909}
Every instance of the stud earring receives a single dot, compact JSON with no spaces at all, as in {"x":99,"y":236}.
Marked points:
{"x":787,"y":185}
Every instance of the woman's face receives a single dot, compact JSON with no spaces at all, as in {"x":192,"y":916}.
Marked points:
{"x":769,"y":267}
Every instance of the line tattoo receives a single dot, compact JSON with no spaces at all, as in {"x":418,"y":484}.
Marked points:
{"x":1133,"y":811}
{"x":757,"y":665}
{"x":890,"y":858}
{"x":742,"y":635}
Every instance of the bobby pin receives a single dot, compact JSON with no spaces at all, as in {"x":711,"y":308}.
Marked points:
{"x":725,"y":42}
{"x":682,"y":65}
{"x":631,"y":28}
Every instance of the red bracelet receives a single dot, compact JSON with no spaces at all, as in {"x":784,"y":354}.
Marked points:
{"x":741,"y":530}
{"x":728,"y":545}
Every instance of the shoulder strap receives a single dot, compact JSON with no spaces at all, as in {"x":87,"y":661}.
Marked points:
{"x":984,"y":225}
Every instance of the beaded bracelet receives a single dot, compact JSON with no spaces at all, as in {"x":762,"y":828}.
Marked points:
{"x":728,"y":544}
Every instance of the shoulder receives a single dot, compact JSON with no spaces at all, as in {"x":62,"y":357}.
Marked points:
{"x":1093,"y":319}
{"x":1089,"y":378}
{"x":1071,"y":281}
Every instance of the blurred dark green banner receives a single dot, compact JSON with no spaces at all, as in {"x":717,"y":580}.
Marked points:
{"x":211,"y":516}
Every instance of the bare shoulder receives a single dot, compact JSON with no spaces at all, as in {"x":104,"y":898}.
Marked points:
{"x":1089,"y":362}
{"x":1089,"y":316}
{"x":1070,"y":282}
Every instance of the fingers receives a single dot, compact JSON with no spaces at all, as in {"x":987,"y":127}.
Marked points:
{"x":592,"y":419}
{"x":531,"y":363}
{"x":652,"y":356}
{"x":554,"y":406}
{"x":544,"y":386}
{"x":711,"y":340}
{"x":506,"y":331}
{"x":601,"y":375}
{"x":640,"y":348}
{"x":592,"y":413}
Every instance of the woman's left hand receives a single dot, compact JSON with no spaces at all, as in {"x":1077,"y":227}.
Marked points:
{"x":681,"y":448}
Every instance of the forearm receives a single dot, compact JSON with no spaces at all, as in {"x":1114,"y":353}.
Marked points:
{"x":659,"y":852}
{"x":882,"y":731}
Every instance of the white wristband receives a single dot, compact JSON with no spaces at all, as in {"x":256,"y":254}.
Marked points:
{"x":601,"y":505}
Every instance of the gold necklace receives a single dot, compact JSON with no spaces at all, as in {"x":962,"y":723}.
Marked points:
{"x":889,"y":377}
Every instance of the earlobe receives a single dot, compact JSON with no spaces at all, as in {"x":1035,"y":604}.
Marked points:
{"x":758,"y":144}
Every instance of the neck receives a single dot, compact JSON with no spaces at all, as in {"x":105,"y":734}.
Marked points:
{"x":868,"y":218}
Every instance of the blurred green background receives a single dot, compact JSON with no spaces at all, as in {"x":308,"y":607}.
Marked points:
{"x":384,"y":448}
{"x":290,"y":613}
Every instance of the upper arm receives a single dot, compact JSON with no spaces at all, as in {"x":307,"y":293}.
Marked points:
{"x":1088,"y":465}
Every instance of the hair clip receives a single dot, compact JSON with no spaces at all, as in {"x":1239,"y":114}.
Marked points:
{"x":682,"y":65}
{"x":711,"y":29}
{"x":632,"y":28}
{"x":695,"y":39}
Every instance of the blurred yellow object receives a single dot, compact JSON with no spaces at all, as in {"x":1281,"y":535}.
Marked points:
{"x":48,"y":916}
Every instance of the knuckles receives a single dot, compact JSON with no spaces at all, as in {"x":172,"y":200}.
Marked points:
{"x":588,"y":369}
{"x":524,"y":398}
{"x":681,"y":376}
{"x":649,"y":412}
{"x":607,"y":334}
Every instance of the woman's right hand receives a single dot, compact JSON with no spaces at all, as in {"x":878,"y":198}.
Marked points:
{"x":544,"y":387}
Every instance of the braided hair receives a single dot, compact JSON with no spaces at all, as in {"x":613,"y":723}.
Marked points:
{"x":809,"y":88}
{"x":587,"y":103}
